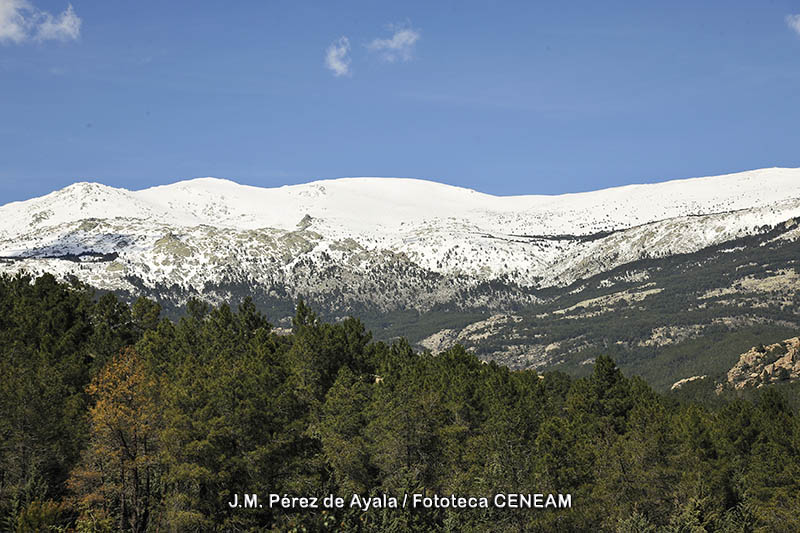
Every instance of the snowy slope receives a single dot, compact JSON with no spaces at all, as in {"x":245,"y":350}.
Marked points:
{"x":362,"y":204}
{"x":392,"y":241}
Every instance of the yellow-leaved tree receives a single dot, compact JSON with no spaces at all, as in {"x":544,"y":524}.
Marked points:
{"x":117,"y":484}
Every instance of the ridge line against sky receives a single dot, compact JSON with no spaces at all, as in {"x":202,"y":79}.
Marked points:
{"x":772,"y":173}
{"x":507,"y":99}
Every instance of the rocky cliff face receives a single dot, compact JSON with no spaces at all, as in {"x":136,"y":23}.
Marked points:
{"x":763,"y":365}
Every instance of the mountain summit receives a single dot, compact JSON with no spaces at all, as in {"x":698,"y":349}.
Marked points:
{"x":384,"y":243}
{"x":360,"y":204}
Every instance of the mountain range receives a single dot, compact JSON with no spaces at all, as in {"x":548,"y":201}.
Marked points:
{"x":534,"y":280}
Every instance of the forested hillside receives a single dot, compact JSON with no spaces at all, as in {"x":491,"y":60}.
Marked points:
{"x":114,"y":418}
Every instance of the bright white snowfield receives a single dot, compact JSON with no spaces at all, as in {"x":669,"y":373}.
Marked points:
{"x":345,"y":235}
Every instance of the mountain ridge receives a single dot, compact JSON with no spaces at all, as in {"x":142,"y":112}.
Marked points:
{"x":389,"y":243}
{"x":651,"y":273}
{"x":399,"y":193}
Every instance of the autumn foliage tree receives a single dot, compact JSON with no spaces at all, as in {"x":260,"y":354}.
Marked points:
{"x":118,"y":479}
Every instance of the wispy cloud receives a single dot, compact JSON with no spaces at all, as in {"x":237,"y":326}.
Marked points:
{"x":64,"y":27}
{"x":793,"y":21}
{"x":337,"y":57}
{"x":12,"y":22}
{"x":398,"y":47}
{"x":21,"y":21}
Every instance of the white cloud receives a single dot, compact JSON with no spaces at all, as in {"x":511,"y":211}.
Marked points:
{"x":400,"y":46}
{"x":65,"y":27}
{"x":13,"y":25}
{"x":21,"y":21}
{"x":794,"y":22}
{"x":337,"y":57}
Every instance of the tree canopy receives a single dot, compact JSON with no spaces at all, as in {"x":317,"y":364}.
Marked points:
{"x":116,"y":419}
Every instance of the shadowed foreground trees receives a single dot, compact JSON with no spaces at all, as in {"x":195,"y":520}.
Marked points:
{"x":114,"y":419}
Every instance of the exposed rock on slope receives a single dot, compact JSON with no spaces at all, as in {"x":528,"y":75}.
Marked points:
{"x":681,"y":382}
{"x":763,"y":365}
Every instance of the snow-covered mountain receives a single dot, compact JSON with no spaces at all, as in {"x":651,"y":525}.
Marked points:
{"x":385,"y":243}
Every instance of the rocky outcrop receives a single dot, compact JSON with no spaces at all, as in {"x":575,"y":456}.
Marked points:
{"x":763,"y":365}
{"x":680,"y":383}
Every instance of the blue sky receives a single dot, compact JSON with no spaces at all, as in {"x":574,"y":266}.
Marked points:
{"x":504,"y":97}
